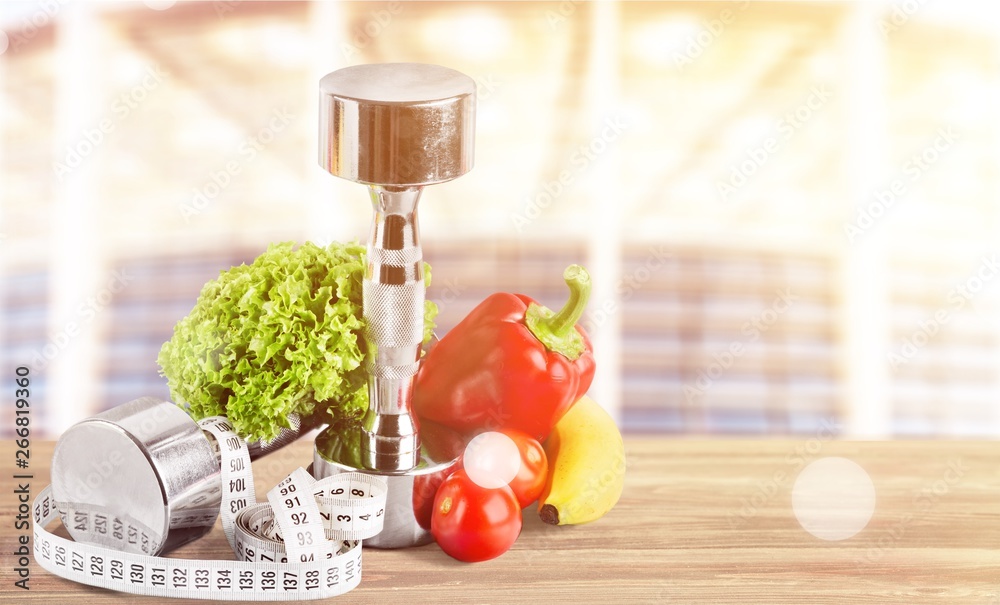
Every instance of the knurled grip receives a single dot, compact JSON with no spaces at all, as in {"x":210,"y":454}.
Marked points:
{"x":393,"y":308}
{"x":395,"y":372}
{"x":398,"y":258}
{"x":393,"y":312}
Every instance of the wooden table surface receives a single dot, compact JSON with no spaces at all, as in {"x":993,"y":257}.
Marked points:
{"x":701,"y":521}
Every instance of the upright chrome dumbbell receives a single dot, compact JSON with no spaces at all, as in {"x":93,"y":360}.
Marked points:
{"x":396,"y":128}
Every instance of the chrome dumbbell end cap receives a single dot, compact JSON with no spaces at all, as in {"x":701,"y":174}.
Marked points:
{"x":144,"y":464}
{"x":397,"y":124}
{"x":143,"y":477}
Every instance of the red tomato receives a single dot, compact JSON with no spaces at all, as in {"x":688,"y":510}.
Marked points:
{"x":472,"y":523}
{"x":424,"y":491}
{"x":530,"y":479}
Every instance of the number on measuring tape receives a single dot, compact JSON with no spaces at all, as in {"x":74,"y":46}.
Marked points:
{"x":116,"y":569}
{"x":326,"y":521}
{"x":179,"y":578}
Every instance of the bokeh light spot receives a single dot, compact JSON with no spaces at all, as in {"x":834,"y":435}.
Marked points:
{"x":492,"y":460}
{"x":833,"y":498}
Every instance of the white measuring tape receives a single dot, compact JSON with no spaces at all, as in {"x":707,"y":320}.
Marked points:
{"x":324,"y":522}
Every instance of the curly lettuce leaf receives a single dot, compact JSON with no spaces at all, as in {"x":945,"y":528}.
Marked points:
{"x":282,"y":335}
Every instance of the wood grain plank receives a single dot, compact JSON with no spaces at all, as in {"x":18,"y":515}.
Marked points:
{"x":701,"y":521}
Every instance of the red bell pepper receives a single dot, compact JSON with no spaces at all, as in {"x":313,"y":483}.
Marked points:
{"x":511,"y":363}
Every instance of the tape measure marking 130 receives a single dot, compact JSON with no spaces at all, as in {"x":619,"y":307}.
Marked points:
{"x":325,"y":521}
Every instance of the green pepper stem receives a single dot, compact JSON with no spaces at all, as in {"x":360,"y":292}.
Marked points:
{"x":557,"y":330}
{"x":578,"y":281}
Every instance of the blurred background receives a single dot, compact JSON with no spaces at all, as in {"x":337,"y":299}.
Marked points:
{"x":791,"y":210}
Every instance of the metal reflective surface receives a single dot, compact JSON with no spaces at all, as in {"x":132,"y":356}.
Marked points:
{"x":396,"y":127}
{"x":150,"y":462}
{"x":410,"y":500}
{"x":146,"y":459}
{"x":397,"y":123}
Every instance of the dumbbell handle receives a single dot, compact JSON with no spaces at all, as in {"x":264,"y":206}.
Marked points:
{"x":393,"y":295}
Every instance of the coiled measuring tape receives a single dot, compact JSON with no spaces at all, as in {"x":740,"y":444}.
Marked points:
{"x":304,"y":543}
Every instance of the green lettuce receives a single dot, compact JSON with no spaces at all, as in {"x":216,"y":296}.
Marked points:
{"x":282,"y":335}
